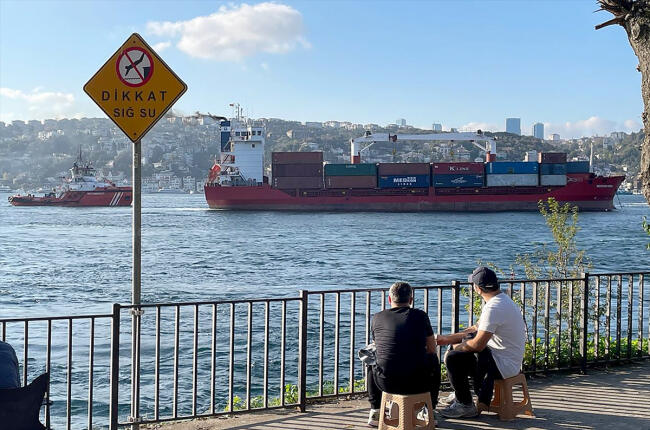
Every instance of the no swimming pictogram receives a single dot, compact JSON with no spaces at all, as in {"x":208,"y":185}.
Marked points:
{"x":134,"y":67}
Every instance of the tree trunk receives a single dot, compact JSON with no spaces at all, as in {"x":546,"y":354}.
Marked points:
{"x":634,"y":16}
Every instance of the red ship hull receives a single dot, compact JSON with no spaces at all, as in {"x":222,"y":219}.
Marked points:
{"x":594,"y":194}
{"x":115,"y":196}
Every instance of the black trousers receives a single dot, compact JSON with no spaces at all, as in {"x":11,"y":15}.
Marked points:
{"x":428,"y":380}
{"x":480,"y":367}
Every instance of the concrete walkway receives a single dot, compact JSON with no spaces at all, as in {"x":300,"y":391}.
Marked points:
{"x":618,"y":398}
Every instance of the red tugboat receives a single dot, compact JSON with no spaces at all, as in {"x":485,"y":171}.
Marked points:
{"x":81,"y":189}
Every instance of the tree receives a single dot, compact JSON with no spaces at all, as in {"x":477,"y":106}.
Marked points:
{"x":634,"y":17}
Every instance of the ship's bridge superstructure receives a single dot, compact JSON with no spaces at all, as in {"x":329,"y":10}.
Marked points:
{"x":241,"y":161}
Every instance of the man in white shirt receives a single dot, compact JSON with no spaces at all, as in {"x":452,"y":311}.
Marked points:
{"x":492,"y":349}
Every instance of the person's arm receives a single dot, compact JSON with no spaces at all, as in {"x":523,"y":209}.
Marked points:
{"x":453,"y":339}
{"x":476,"y":344}
{"x":431,"y":344}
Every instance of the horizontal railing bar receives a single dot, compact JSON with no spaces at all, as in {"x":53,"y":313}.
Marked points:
{"x":616,"y":274}
{"x":58,"y":317}
{"x":220,"y":302}
{"x":378,"y":289}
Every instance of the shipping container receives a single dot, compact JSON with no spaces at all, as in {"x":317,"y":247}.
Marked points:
{"x":281,"y":170}
{"x":552,"y":169}
{"x":404,"y":181}
{"x":366,"y":169}
{"x":290,"y":182}
{"x":351,"y":181}
{"x":577,"y":167}
{"x":297,"y":157}
{"x":530,"y":156}
{"x":447,"y":181}
{"x":511,"y":167}
{"x":551,"y":157}
{"x":578,"y":177}
{"x":552,"y":180}
{"x":386,"y":169}
{"x":458,"y":168}
{"x":510,"y":180}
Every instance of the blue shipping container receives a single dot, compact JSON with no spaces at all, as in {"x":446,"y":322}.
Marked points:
{"x":450,"y":181}
{"x":511,"y":167}
{"x":404,"y":181}
{"x":577,"y":167}
{"x":552,"y":169}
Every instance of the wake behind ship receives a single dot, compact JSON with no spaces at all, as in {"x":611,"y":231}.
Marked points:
{"x":301,"y":181}
{"x":82,"y":188}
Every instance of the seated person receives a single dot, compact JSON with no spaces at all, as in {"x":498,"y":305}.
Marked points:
{"x":494,"y":349}
{"x":406,"y":360}
{"x":9,"y":373}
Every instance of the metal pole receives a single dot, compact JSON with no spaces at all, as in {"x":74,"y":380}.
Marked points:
{"x":302,"y":351}
{"x":136,"y":278}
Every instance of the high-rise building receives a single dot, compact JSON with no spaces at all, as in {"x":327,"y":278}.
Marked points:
{"x":538,"y":130}
{"x":401,"y":122}
{"x":513,"y":125}
{"x":436,"y":127}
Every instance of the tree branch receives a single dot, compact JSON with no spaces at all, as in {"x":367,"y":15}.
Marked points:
{"x":616,"y":20}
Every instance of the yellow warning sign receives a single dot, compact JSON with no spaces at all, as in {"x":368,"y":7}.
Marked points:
{"x":135,"y":87}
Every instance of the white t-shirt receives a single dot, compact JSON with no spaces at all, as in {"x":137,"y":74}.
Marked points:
{"x":502,"y":317}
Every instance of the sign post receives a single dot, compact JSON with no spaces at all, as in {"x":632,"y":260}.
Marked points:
{"x":135,"y":88}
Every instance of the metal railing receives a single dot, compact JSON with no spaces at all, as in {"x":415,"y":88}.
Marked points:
{"x":199,"y":359}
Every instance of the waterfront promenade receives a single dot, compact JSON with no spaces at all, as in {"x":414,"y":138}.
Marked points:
{"x":616,"y":398}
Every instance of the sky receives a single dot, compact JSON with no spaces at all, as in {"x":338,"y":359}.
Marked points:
{"x":464,"y":64}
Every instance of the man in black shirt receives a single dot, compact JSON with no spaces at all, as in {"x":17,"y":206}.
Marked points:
{"x":406,"y":360}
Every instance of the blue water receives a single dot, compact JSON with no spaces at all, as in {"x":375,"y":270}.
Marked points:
{"x":62,"y":261}
{"x":68,"y":260}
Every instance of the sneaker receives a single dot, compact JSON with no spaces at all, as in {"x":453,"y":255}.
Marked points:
{"x":459,"y":410}
{"x":449,"y":399}
{"x":373,"y":418}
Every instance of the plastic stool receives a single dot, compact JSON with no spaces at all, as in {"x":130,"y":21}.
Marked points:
{"x":408,"y":408}
{"x":503,"y":404}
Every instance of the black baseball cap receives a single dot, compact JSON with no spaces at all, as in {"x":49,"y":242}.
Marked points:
{"x":485,"y":278}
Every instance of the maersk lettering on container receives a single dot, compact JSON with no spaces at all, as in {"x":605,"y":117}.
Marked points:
{"x":404,"y":181}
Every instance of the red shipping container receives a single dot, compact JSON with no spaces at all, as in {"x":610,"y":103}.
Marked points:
{"x":393,"y":169}
{"x":351,"y":182}
{"x":551,"y":157}
{"x":290,"y":182}
{"x":297,"y":170}
{"x":297,"y":158}
{"x":577,"y":177}
{"x":458,"y":168}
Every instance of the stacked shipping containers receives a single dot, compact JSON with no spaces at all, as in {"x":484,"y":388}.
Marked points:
{"x":297,"y":170}
{"x":512,"y":174}
{"x":404,"y":175}
{"x":552,"y":167}
{"x":450,"y":175}
{"x":351,"y":175}
{"x":577,"y":171}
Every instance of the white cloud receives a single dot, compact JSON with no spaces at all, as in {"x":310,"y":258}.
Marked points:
{"x":474,"y":126}
{"x":41,"y":104}
{"x":591,"y":126}
{"x":159,"y":47}
{"x":236,"y":32}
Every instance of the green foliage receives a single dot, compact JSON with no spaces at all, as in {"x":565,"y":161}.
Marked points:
{"x":562,"y":259}
{"x":646,"y":227}
{"x":568,"y":356}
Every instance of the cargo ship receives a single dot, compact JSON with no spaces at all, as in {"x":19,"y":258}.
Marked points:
{"x":301,"y":181}
{"x":82,"y":188}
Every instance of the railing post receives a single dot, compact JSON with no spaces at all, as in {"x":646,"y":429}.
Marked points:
{"x":584,"y":314}
{"x":455,"y":306}
{"x":113,"y":405}
{"x":302,"y":351}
